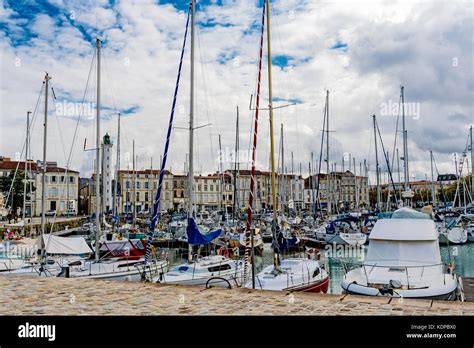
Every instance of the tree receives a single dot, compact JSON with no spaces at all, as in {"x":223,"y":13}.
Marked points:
{"x":15,"y":200}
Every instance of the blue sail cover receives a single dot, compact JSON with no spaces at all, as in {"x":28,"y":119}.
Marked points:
{"x":197,"y":238}
{"x":283,"y":244}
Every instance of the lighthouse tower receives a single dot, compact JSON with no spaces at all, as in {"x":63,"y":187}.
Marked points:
{"x":106,"y":174}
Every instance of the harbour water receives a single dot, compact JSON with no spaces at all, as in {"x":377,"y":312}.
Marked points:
{"x":335,"y":259}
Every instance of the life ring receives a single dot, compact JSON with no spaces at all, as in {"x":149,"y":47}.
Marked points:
{"x":223,"y":251}
{"x":312,"y":251}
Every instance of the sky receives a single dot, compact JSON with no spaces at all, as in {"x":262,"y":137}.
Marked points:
{"x":361,"y":51}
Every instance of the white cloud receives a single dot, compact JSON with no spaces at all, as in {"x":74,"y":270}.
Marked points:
{"x":389,"y":44}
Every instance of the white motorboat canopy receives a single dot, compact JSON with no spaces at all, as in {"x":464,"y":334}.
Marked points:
{"x":404,"y":242}
{"x":404,"y":230}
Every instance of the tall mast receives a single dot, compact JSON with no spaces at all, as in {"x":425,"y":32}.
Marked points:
{"x":472,"y":167}
{"x":328,"y":179}
{"x":356,"y":192}
{"x":248,"y":230}
{"x":293,"y":182}
{"x":313,"y":198}
{"x":191,"y":129}
{"x":236,"y":165}
{"x":116,"y":203}
{"x":97,"y":159}
{"x":405,"y":149}
{"x":43,"y":179}
{"x":270,"y":107}
{"x":399,"y":179}
{"x":150,"y":180}
{"x":134,"y":181}
{"x":282,"y":186}
{"x":26,"y":167}
{"x":272,"y":140}
{"x":377,"y":166}
{"x":432,"y":179}
{"x":222,"y":177}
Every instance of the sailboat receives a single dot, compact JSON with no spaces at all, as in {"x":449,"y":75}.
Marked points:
{"x":121,"y":267}
{"x":216,"y":269}
{"x":294,"y":274}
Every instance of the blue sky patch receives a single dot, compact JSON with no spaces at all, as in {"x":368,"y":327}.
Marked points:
{"x":339,"y":45}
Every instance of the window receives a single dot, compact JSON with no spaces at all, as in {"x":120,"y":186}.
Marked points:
{"x":154,"y":185}
{"x":219,"y":268}
{"x":166,"y":185}
{"x":138,"y":184}
{"x":205,"y":187}
{"x":71,"y":179}
{"x":146,"y":196}
{"x":138,"y":196}
{"x":128,"y":196}
{"x":54,"y":192}
{"x":199,"y":187}
{"x":127,"y":184}
{"x":62,"y":178}
{"x":53,"y":178}
{"x":211,"y":187}
{"x":146,"y":185}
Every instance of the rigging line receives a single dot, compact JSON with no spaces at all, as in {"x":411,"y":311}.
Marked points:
{"x":396,"y":131}
{"x":203,"y":67}
{"x":157,"y":201}
{"x":387,"y":162}
{"x":321,"y":159}
{"x":35,"y":112}
{"x":81,"y":112}
{"x":287,"y":78}
{"x":108,"y":79}
{"x":53,"y":110}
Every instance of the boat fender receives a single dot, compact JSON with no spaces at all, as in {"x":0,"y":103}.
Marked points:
{"x":152,"y":250}
{"x":223,"y":251}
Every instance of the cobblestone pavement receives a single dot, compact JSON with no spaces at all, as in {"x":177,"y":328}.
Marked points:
{"x":60,"y":296}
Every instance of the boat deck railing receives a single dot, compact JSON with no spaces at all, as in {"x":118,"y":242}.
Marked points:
{"x":446,"y":269}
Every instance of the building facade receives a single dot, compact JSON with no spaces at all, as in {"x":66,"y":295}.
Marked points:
{"x":62,"y":186}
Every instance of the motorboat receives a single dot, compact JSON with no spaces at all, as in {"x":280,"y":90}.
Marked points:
{"x":343,"y":230}
{"x":403,"y":260}
{"x":452,"y":231}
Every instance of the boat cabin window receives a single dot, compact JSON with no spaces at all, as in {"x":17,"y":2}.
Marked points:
{"x":316,"y":272}
{"x":223,"y":267}
{"x":183,"y":268}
